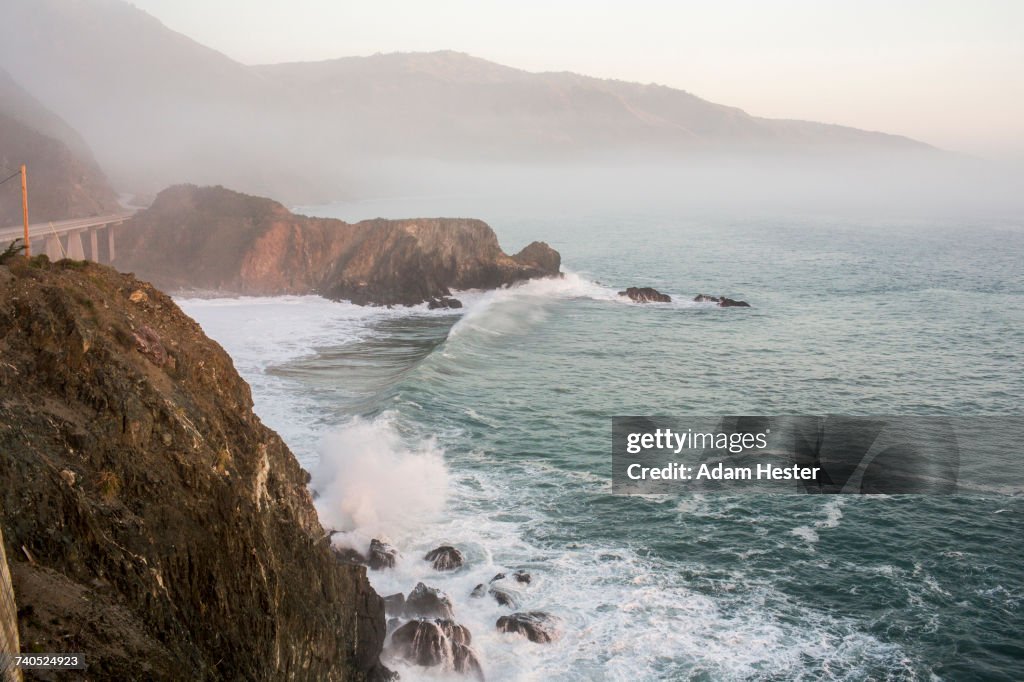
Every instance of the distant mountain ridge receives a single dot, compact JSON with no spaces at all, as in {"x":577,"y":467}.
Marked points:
{"x":159,"y":108}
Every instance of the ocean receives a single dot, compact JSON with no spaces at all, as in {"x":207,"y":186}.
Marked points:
{"x":489,"y":428}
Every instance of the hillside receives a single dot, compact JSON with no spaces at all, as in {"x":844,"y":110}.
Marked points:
{"x":151,"y":520}
{"x":64,"y":179}
{"x":310,"y":131}
{"x":456,"y":104}
{"x":215,"y":239}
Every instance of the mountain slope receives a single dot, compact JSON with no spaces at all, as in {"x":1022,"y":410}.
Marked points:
{"x":64,"y":180}
{"x":448,"y":102}
{"x":159,"y":108}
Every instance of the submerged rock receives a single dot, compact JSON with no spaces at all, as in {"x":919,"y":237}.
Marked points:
{"x":382,"y":555}
{"x":445,"y":558}
{"x":504,"y":597}
{"x":394,"y":604}
{"x":347,"y":555}
{"x":478,"y":591}
{"x":522,"y":577}
{"x":537,"y":626}
{"x":722,"y":301}
{"x":428,"y":602}
{"x":443,"y":302}
{"x":393,"y":624}
{"x":645,"y":295}
{"x":439,"y":642}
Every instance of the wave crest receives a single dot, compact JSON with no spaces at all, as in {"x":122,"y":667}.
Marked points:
{"x":371,"y":484}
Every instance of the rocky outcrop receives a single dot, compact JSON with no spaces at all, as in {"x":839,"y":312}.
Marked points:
{"x":539,"y":256}
{"x":721,"y":301}
{"x":210,"y":238}
{"x":522,"y":577}
{"x":445,"y":558}
{"x":441,"y":643}
{"x":504,"y":597}
{"x":394,"y":604}
{"x":150,"y":519}
{"x":444,"y":303}
{"x":427,"y":602}
{"x":382,"y":555}
{"x":537,"y":626}
{"x":645,"y":295}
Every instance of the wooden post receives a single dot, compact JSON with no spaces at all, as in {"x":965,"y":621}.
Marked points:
{"x":24,"y":208}
{"x":9,"y":645}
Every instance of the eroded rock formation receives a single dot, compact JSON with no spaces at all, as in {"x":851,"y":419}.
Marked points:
{"x":441,"y":643}
{"x":645,"y":295}
{"x":381,"y":555}
{"x":721,"y":301}
{"x":537,"y":626}
{"x":445,"y":558}
{"x":150,"y":519}
{"x":427,"y":602}
{"x":210,"y":238}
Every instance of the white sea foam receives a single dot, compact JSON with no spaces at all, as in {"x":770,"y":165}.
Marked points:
{"x":259,"y":332}
{"x":833,"y":513}
{"x":513,"y":309}
{"x":806,"y":533}
{"x":262,"y":334}
{"x":371,"y":484}
{"x":625,"y":616}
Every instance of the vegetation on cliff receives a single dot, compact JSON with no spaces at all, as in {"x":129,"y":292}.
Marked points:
{"x":150,"y":519}
{"x":211,"y":238}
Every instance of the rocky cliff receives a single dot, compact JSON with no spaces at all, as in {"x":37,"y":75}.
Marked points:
{"x":150,"y":519}
{"x":211,"y":238}
{"x":64,"y":180}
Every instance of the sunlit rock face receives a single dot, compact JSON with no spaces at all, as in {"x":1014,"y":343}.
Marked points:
{"x":146,"y":498}
{"x":214,"y":239}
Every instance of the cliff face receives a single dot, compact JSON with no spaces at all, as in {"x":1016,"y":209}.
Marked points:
{"x":215,"y":239}
{"x":64,"y":180}
{"x":150,"y":519}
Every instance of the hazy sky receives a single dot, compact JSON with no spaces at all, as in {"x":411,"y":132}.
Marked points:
{"x":947,"y":72}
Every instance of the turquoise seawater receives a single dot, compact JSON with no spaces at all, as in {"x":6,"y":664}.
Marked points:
{"x":490,"y":429}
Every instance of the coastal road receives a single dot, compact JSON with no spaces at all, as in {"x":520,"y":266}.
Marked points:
{"x":60,"y":227}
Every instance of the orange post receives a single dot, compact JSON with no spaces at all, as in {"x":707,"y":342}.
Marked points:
{"x":24,"y":208}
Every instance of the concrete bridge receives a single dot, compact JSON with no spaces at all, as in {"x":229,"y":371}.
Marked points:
{"x":78,"y":238}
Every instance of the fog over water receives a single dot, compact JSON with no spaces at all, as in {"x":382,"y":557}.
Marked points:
{"x":158,"y":108}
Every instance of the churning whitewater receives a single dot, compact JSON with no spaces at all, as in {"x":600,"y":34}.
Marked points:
{"x":488,"y":429}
